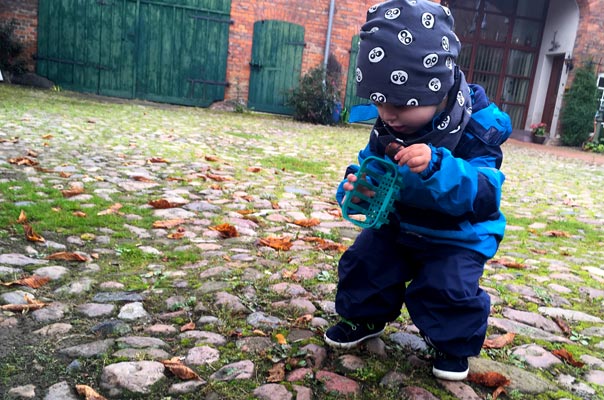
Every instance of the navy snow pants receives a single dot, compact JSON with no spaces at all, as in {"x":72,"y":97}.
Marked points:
{"x":437,"y":283}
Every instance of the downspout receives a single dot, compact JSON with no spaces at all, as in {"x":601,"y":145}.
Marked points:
{"x":332,"y":6}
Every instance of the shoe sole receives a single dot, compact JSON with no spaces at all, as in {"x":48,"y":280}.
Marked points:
{"x":350,"y":345}
{"x":450,"y":375}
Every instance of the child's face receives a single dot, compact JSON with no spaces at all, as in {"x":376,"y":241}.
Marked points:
{"x":406,"y":119}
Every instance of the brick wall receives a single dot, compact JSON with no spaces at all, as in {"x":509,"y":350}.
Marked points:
{"x":589,"y":44}
{"x":312,"y":14}
{"x":25,"y":13}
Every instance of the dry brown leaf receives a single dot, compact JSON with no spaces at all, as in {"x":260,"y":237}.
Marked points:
{"x":277,"y":243}
{"x":179,"y":369}
{"x":168,"y":223}
{"x":245,"y":212}
{"x":219,"y":178}
{"x":48,"y":136}
{"x":254,"y":169}
{"x":33,"y":281}
{"x":280,"y":338}
{"x":157,"y":160}
{"x":499,"y":342}
{"x":276,"y":373}
{"x":163,"y":204}
{"x":32,"y":153}
{"x":140,"y":178}
{"x":226,"y":230}
{"x":568,"y":357}
{"x":211,"y":158}
{"x":176,"y":235}
{"x":66,"y":256}
{"x":489,"y":379}
{"x":215,"y":186}
{"x":80,"y":214}
{"x":557,"y":234}
{"x":74,"y":191}
{"x":508,"y":263}
{"x":303,"y":320}
{"x":259,"y":332}
{"x":64,"y":174}
{"x":89,"y":393}
{"x":307,"y":223}
{"x":323,"y":244}
{"x":32,"y":304}
{"x":114,"y":209}
{"x":562,"y":324}
{"x":188,"y":327}
{"x":23,"y":161}
{"x":31,"y":235}
{"x":275,"y":205}
{"x":497,"y":392}
{"x":22,"y":218}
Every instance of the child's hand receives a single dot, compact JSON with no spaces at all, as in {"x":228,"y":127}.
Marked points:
{"x":348,"y":186}
{"x":417,"y":157}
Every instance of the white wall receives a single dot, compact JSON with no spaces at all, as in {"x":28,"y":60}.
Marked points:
{"x":563,"y":18}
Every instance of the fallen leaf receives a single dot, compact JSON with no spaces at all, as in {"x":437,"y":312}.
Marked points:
{"x":275,"y":205}
{"x":22,"y":218}
{"x":66,"y":256}
{"x":211,"y":158}
{"x":280,"y":338}
{"x":158,"y":160}
{"x":33,"y":281}
{"x":254,"y":169}
{"x":226,"y":230}
{"x":179,"y":369}
{"x":31,"y":235}
{"x":508,"y":263}
{"x":562,"y":324}
{"x":564,"y":355}
{"x":489,"y":379}
{"x":557,"y":234}
{"x":89,"y":392}
{"x":114,"y":209}
{"x":497,"y":392}
{"x":219,"y":178}
{"x":176,"y":235}
{"x":80,"y":214}
{"x":140,"y":178}
{"x":74,"y":191}
{"x":303,"y":320}
{"x":32,"y":304}
{"x":276,"y":373}
{"x":64,"y":174}
{"x":23,"y":161}
{"x":163,"y":204}
{"x":245,"y":212}
{"x":259,"y":332}
{"x":538,"y":251}
{"x":168,"y":223}
{"x":32,"y":153}
{"x":499,"y":342}
{"x":323,"y":244}
{"x":46,"y":137}
{"x":277,"y":243}
{"x":188,"y":327}
{"x":307,"y":223}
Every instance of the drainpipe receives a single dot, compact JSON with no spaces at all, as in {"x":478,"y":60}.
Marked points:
{"x":332,"y":6}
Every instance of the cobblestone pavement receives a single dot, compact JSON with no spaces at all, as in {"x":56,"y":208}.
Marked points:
{"x":151,"y":286}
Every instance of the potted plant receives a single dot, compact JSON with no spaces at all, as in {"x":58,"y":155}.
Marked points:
{"x":538,"y":133}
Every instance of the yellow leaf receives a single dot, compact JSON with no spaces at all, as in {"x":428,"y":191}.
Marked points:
{"x":280,"y":338}
{"x":22,"y":218}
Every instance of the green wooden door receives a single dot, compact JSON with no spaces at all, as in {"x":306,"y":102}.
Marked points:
{"x":171,"y":51}
{"x":351,"y":98}
{"x":275,"y":66}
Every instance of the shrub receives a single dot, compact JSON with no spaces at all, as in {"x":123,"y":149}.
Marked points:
{"x":580,"y":105}
{"x":315,"y":101}
{"x":10,"y":49}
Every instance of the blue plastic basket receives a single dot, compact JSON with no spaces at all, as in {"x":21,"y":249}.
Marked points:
{"x":376,"y":209}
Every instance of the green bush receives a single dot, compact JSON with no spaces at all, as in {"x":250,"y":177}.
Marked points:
{"x":313,"y":100}
{"x":580,"y":106}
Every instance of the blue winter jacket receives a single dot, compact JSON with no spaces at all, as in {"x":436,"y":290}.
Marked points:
{"x":456,"y":199}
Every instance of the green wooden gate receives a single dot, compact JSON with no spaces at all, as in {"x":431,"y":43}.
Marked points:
{"x":171,"y":51}
{"x":276,"y":65}
{"x":351,"y":98}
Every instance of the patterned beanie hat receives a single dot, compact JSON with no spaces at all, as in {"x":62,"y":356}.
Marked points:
{"x":407,"y":53}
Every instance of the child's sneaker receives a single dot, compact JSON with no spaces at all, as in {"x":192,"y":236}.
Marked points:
{"x":348,"y":334}
{"x":450,"y":368}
